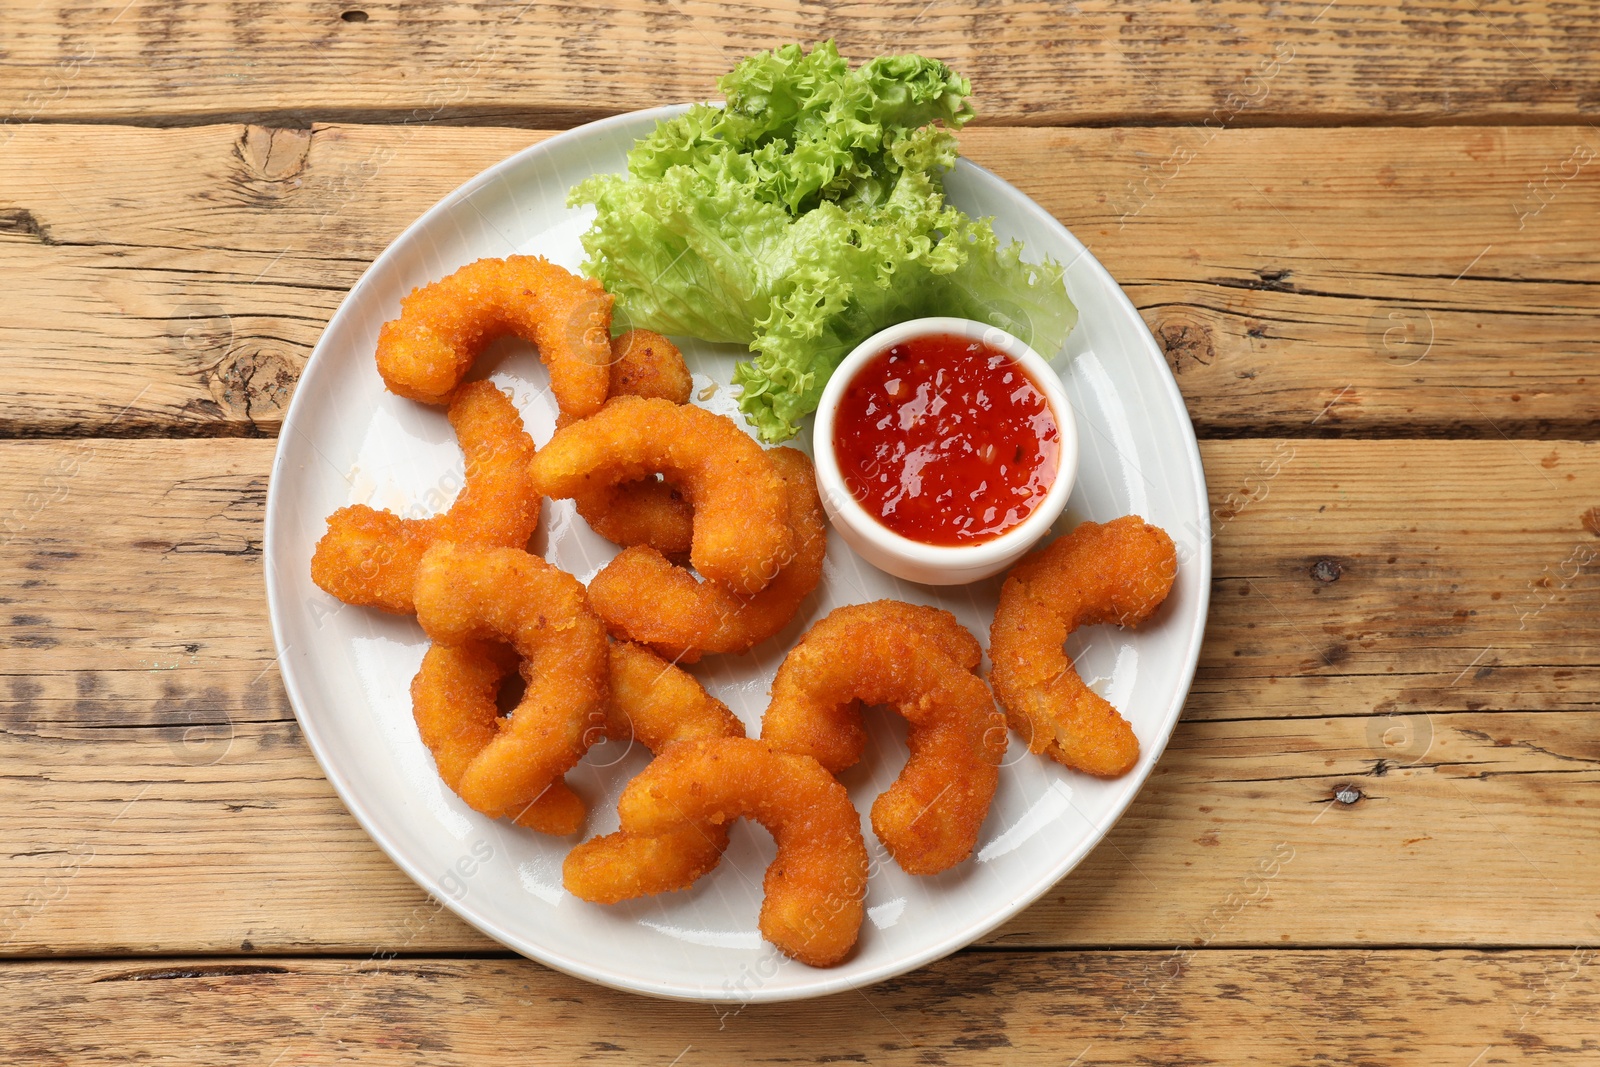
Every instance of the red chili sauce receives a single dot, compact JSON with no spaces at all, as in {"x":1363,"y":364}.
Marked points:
{"x":946,"y":440}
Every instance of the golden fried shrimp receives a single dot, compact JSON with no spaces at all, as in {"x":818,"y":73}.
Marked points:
{"x":443,"y":326}
{"x":453,"y":699}
{"x":648,"y":512}
{"x":466,"y":594}
{"x":815,"y":887}
{"x":369,"y":557}
{"x":741,"y":529}
{"x":643,"y":363}
{"x":1118,"y":572}
{"x":655,"y":704}
{"x":919,"y":661}
{"x":644,"y":597}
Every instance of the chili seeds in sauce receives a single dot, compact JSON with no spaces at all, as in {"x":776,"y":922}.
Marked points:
{"x":946,"y":440}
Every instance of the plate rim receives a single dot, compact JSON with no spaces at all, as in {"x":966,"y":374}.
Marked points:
{"x":601,"y":975}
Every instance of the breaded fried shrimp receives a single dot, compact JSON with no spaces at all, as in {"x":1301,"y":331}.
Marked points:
{"x":466,"y":595}
{"x":644,"y":597}
{"x":454,"y":703}
{"x":814,"y":889}
{"x":918,"y":661}
{"x":444,"y":326}
{"x":1116,"y":572}
{"x":643,"y":363}
{"x":654,"y":704}
{"x":741,"y":528}
{"x":652,"y":511}
{"x":369,"y":557}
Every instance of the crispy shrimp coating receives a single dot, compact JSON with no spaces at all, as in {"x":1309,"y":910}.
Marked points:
{"x":453,"y":699}
{"x":445,"y":325}
{"x":644,"y":597}
{"x":652,"y":511}
{"x":643,"y":363}
{"x":1116,"y":572}
{"x":465,"y":595}
{"x":741,"y":528}
{"x":815,"y":887}
{"x":655,"y":704}
{"x":369,"y":557}
{"x":920,"y":662}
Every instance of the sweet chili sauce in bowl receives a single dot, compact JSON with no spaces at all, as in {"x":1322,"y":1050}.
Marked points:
{"x":945,"y":448}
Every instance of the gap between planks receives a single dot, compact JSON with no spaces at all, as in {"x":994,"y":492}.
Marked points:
{"x":1427,"y":1009}
{"x":562,"y":119}
{"x":1403,"y":287}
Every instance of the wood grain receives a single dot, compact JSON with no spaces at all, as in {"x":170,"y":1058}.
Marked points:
{"x":1373,"y":838}
{"x":1350,"y":578}
{"x":1360,"y":831}
{"x":1428,"y":1009}
{"x":151,"y":735}
{"x":1092,"y":61}
{"x":1302,"y":282}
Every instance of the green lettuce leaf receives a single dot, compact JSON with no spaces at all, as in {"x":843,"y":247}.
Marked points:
{"x":805,"y":215}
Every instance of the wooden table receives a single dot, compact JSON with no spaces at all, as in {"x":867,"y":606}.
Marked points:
{"x":1365,"y":234}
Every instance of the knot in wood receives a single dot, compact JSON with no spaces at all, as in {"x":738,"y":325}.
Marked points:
{"x":1326,"y":570}
{"x":1186,"y":343}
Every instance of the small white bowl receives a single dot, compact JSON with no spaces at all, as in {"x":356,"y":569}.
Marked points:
{"x":914,"y":560}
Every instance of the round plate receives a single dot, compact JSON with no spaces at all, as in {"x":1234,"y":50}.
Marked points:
{"x":347,"y":670}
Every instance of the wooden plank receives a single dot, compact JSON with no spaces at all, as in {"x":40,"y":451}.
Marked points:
{"x":1427,"y":1009}
{"x":1351,"y":577}
{"x":1094,"y":61}
{"x":1302,"y":282}
{"x":156,"y":758}
{"x":1345,"y":281}
{"x":1400,"y":577}
{"x":1250,"y":833}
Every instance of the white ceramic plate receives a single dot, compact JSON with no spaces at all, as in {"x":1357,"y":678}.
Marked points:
{"x":347,"y":670}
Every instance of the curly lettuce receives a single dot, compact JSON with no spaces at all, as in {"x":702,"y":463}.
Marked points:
{"x":804,"y":215}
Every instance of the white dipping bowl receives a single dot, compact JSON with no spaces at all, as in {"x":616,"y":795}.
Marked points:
{"x":916,"y":561}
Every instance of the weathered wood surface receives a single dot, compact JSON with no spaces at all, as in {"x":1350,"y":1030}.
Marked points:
{"x":1379,"y":282}
{"x":1351,"y":578}
{"x":1421,"y":1008}
{"x":1396,"y":700}
{"x":1397,"y":617}
{"x":1089,"y":62}
{"x":1374,"y":830}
